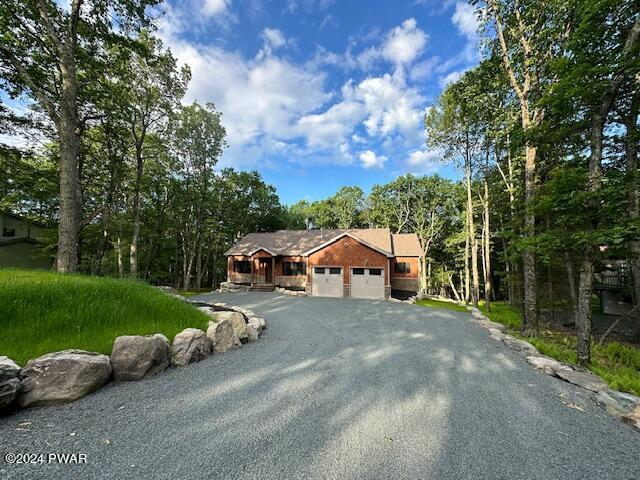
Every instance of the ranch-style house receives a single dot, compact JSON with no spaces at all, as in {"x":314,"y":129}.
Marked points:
{"x":361,"y":263}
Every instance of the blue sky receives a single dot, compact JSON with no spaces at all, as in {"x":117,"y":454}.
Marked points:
{"x":317,"y":94}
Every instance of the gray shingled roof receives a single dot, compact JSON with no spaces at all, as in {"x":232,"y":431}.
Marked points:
{"x":298,"y":242}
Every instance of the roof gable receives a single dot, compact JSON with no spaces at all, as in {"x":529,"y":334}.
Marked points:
{"x":351,"y":235}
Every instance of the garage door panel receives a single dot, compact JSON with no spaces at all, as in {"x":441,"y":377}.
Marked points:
{"x":367,"y":282}
{"x":327,"y":282}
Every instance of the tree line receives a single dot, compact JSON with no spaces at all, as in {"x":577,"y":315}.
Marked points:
{"x":544,"y":131}
{"x":126,"y":170}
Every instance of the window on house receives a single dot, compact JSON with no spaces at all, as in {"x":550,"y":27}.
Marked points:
{"x":319,"y":270}
{"x":8,"y":232}
{"x":358,"y":271}
{"x":242,"y":266}
{"x":375,"y":271}
{"x":293,"y":268}
{"x":403,"y":267}
{"x":335,"y":271}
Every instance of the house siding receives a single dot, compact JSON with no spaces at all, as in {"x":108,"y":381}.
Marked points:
{"x":347,"y":253}
{"x":235,"y":277}
{"x":408,"y":282}
{"x":289,"y":281}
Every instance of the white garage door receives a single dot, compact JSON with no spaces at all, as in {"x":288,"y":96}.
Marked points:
{"x":327,"y":282}
{"x":367,"y":282}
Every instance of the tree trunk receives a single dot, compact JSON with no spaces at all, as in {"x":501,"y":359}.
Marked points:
{"x":467,"y":284}
{"x":571,"y":283}
{"x":471,"y":231}
{"x":133,"y":249}
{"x":583,"y":318}
{"x":453,"y":288}
{"x":528,"y":256}
{"x":488,"y":287}
{"x":119,"y":253}
{"x":69,"y":133}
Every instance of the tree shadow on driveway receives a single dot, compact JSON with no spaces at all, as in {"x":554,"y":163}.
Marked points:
{"x":337,"y":388}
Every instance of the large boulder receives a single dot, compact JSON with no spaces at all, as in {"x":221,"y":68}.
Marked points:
{"x":190,"y":345}
{"x":547,"y":365}
{"x":237,"y":322}
{"x":253,"y":334}
{"x":61,"y":377}
{"x":496,"y":334}
{"x":222,"y":336}
{"x":9,"y":381}
{"x":583,"y":379}
{"x":623,"y":405}
{"x":233,"y":287}
{"x":258,"y":323}
{"x":134,"y":357}
{"x":170,"y":291}
{"x":519,"y":345}
{"x":490,"y":324}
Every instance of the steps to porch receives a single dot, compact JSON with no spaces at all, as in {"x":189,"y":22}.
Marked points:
{"x":261,"y":287}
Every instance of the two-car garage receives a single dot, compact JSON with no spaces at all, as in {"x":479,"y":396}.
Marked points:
{"x":364,"y":282}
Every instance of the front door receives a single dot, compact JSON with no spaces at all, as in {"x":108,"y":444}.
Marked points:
{"x":265,"y":271}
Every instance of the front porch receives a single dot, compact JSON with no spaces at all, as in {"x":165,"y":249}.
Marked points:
{"x":256,"y":270}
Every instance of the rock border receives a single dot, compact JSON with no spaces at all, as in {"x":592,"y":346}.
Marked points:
{"x":291,"y":293}
{"x":622,"y":405}
{"x":138,"y":357}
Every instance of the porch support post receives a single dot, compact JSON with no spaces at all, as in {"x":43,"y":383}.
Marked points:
{"x":253,"y":271}
{"x":273,"y":270}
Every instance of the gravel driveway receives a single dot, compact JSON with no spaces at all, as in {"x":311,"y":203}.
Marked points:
{"x":335,"y":389}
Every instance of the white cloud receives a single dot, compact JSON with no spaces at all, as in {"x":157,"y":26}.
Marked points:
{"x":391,"y":105}
{"x":272,"y":39}
{"x":451,"y":78}
{"x":214,"y":8}
{"x":423,"y":70}
{"x":334,"y":125}
{"x":404,"y":43}
{"x":370,"y":160}
{"x":422,"y":161}
{"x":465,"y":19}
{"x":275,"y":109}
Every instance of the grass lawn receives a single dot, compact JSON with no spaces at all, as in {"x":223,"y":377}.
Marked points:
{"x":618,"y":364}
{"x":46,"y":312}
{"x":427,"y":302}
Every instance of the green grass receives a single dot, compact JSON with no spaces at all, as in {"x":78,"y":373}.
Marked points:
{"x":193,"y":293}
{"x":618,"y":364}
{"x":45,"y":312}
{"x":504,"y":313}
{"x":427,"y":302}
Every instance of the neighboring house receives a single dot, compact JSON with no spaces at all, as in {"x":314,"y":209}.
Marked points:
{"x":363,"y":263}
{"x":19,"y":243}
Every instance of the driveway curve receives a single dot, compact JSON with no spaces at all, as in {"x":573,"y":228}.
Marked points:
{"x":335,"y":389}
